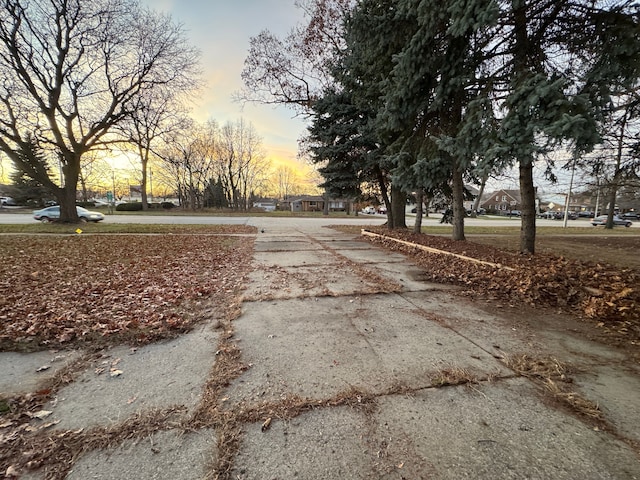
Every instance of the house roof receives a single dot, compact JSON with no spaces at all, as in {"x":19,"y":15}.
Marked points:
{"x":307,"y":198}
{"x":514,"y":194}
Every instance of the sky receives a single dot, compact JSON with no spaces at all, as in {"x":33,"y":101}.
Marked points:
{"x":221,"y":29}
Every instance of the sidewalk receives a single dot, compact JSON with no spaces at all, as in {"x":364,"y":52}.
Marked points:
{"x":352,"y":366}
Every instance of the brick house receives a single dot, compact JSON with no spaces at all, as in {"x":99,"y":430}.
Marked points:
{"x":502,"y":201}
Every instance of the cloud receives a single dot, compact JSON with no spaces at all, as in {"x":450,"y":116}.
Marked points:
{"x":221,"y":30}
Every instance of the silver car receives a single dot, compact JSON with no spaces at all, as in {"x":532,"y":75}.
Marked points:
{"x":602,"y":220}
{"x":52,"y":214}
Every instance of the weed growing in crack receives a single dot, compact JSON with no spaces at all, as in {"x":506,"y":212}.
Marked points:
{"x":553,"y":377}
{"x":453,"y":376}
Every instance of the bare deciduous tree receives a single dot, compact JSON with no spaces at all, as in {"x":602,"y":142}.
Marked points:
{"x":72,"y":71}
{"x":294,"y":70}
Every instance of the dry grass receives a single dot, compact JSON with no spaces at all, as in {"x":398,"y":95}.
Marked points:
{"x":57,"y":451}
{"x":553,"y":377}
{"x":453,"y":376}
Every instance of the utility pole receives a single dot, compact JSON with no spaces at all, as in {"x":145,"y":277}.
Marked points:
{"x":566,"y":206}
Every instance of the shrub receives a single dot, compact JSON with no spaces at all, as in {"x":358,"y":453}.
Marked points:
{"x":129,"y":207}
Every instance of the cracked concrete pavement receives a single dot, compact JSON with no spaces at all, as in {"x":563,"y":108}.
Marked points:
{"x":324,"y":316}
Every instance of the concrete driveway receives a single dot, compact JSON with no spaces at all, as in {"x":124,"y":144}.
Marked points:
{"x":349,"y":365}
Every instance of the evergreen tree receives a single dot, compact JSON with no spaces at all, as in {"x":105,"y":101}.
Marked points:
{"x":214,"y":195}
{"x":433,"y":100}
{"x":551,"y":84}
{"x":32,"y":161}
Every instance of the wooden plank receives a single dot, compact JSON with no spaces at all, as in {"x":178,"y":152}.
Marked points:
{"x":435,"y":250}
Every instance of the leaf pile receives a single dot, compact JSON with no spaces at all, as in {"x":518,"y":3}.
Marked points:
{"x":607,"y":294}
{"x":61,"y":289}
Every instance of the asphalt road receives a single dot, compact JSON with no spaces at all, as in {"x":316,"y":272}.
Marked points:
{"x":7,"y":217}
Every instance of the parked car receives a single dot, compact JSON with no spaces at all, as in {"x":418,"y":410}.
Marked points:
{"x":602,"y":220}
{"x":586,"y":214}
{"x":631,"y":216}
{"x":369,"y":210}
{"x":52,"y":214}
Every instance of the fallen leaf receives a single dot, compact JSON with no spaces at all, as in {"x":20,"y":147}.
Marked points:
{"x":11,"y":472}
{"x":42,"y":414}
{"x":115,"y":373}
{"x":43,"y":368}
{"x":266,"y":424}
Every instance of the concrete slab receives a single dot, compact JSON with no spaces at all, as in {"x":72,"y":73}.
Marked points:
{"x":318,"y":348}
{"x":500,"y":430}
{"x":537,"y":332}
{"x":292,"y":259}
{"x":616,"y":390}
{"x":159,"y":375}
{"x":285,"y":245}
{"x":494,"y":431}
{"x":491,"y":332}
{"x":373,"y":256}
{"x":313,"y":281}
{"x":166,"y":454}
{"x":27,"y":372}
{"x":411,"y":277}
{"x":320,"y":445}
{"x":346,"y":244}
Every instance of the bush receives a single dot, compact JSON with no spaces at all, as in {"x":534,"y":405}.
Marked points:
{"x":129,"y":207}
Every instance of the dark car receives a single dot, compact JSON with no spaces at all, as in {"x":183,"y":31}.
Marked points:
{"x":602,"y":220}
{"x":631,"y":216}
{"x":52,"y":214}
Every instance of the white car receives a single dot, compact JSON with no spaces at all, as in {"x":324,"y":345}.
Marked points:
{"x":52,"y":214}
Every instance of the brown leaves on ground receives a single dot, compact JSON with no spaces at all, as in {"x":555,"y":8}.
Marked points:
{"x":58,"y":289}
{"x":607,"y":294}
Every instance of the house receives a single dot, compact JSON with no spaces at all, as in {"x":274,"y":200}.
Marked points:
{"x":309,"y":203}
{"x":266,"y":205}
{"x":502,"y":201}
{"x":315,"y":203}
{"x":471,"y":193}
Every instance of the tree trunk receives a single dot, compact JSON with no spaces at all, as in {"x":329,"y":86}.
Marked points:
{"x":71,"y":173}
{"x":613,"y":194}
{"x":417,"y":227}
{"x":398,"y":206}
{"x":528,"y":199}
{"x":616,"y":176}
{"x":143,"y":186}
{"x":458,"y":202}
{"x":476,"y":203}
{"x":385,"y":196}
